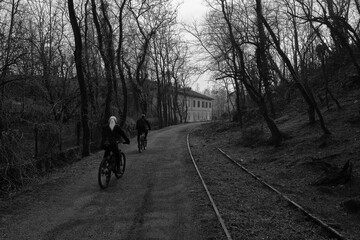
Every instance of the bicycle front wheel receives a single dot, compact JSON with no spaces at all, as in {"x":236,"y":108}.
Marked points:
{"x":120,"y":168}
{"x":104,"y":173}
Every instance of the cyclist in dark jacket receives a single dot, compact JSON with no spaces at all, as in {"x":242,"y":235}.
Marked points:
{"x":111,"y":135}
{"x":142,"y":126}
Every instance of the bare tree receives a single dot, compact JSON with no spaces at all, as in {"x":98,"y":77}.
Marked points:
{"x":244,"y":76}
{"x":8,"y":53}
{"x":81,"y":79}
{"x":50,"y":58}
{"x":321,"y":51}
{"x":105,"y":46}
{"x":306,"y":93}
{"x":149,"y":17}
{"x":262,"y":60}
{"x":120,"y":61}
{"x":213,"y":38}
{"x":170,"y":64}
{"x":335,"y":16}
{"x":10,"y":50}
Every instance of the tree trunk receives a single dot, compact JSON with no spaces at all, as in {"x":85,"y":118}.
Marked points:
{"x":108,"y":70}
{"x":276,"y":135}
{"x":121,"y":68}
{"x":237,"y":91}
{"x":87,"y":68}
{"x":357,"y":5}
{"x":159,"y":98}
{"x":255,"y":96}
{"x":262,"y":61}
{"x":175,"y":102}
{"x":81,"y":79}
{"x":110,"y":55}
{"x":338,"y":31}
{"x":306,"y":93}
{"x":326,"y":79}
{"x":164,"y":99}
{"x":159,"y":94}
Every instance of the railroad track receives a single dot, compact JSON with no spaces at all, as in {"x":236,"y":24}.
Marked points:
{"x":291,"y":217}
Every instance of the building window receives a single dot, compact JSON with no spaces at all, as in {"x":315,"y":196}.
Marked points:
{"x":209,"y":104}
{"x":202,"y":104}
{"x":206,"y":105}
{"x":198,"y":104}
{"x":194,"y":103}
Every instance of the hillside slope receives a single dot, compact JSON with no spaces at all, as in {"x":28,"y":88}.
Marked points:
{"x":307,"y":161}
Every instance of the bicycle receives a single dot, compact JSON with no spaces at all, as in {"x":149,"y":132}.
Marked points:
{"x":108,"y":165}
{"x":142,"y":142}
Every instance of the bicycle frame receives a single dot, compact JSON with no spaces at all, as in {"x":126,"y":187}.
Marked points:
{"x":108,"y":166}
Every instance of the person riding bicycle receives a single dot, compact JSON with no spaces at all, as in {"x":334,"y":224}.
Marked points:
{"x":142,"y":126}
{"x":111,"y":134}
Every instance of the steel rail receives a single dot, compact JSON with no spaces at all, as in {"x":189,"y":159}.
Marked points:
{"x":296,"y":205}
{"x":228,"y":236}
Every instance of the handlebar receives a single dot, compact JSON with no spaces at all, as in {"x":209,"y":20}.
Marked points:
{"x":107,"y":144}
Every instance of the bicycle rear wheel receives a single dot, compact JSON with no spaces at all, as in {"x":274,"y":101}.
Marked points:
{"x":120,"y":168}
{"x":141,"y":144}
{"x":104,"y":173}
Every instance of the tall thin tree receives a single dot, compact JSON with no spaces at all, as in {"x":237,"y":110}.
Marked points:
{"x":81,"y":80}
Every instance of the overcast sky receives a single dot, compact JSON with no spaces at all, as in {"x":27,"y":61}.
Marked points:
{"x":188,"y":12}
{"x":191,"y":10}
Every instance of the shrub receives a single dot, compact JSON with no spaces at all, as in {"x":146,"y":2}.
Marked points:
{"x":252,"y":136}
{"x":251,"y":117}
{"x":49,"y":137}
{"x":15,"y":164}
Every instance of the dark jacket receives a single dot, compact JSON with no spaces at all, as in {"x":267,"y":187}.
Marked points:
{"x":113,"y":136}
{"x":142,"y":125}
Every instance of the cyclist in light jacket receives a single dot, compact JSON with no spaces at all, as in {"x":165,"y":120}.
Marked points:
{"x":111,"y":135}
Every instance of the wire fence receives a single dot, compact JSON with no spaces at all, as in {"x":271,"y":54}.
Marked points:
{"x":48,"y":138}
{"x":29,"y":149}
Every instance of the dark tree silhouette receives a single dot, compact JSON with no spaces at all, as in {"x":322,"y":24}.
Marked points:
{"x":81,"y":80}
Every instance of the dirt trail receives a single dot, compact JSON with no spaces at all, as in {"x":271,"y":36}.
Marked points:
{"x":153,"y":200}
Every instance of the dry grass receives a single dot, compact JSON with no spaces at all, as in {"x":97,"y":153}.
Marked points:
{"x":304,"y":157}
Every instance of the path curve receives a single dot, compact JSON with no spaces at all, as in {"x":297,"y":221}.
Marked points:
{"x":151,"y":201}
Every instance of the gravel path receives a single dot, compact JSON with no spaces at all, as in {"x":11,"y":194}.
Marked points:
{"x":159,"y":197}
